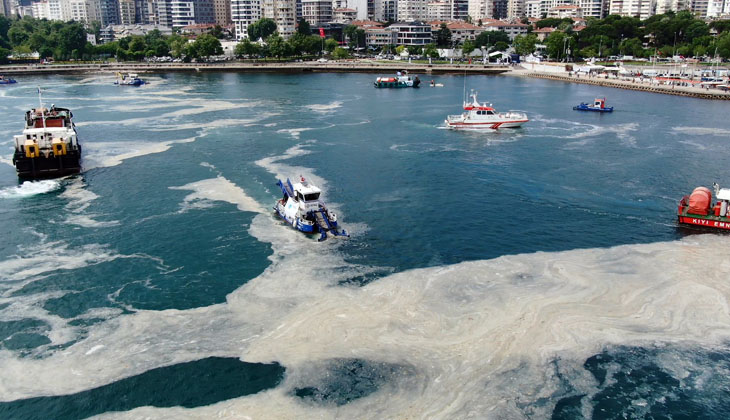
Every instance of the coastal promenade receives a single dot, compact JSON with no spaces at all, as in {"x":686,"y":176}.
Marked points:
{"x":360,"y":66}
{"x":644,"y":85}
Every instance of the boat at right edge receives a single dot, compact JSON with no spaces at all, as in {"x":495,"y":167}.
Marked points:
{"x":482,"y":116}
{"x":696,"y":209}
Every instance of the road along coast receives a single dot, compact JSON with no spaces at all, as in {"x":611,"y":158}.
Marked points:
{"x":362,"y":66}
{"x":644,"y":85}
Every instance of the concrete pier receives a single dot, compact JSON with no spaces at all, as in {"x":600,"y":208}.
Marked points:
{"x":645,"y":86}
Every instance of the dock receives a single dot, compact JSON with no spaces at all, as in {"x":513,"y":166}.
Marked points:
{"x":645,"y":86}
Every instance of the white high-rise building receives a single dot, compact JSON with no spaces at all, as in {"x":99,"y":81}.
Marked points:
{"x":183,"y":13}
{"x":84,"y":10}
{"x":664,"y":6}
{"x":481,"y":10}
{"x":699,"y":7}
{"x":361,"y":6}
{"x":593,"y":8}
{"x":317,"y":12}
{"x":515,"y":9}
{"x":244,"y":13}
{"x":716,"y":8}
{"x":547,"y":5}
{"x":283,"y":12}
{"x":439,"y":10}
{"x":385,"y":10}
{"x":532,"y":8}
{"x":40,"y":10}
{"x":412,"y":10}
{"x":126,"y":12}
{"x":642,"y":9}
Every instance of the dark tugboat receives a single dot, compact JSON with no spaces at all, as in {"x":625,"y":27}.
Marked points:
{"x":48,"y":147}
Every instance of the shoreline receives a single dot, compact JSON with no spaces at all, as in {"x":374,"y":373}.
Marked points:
{"x":363,"y":66}
{"x":641,"y":86}
{"x":263,"y":67}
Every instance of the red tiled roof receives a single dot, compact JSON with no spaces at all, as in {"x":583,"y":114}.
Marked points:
{"x":370,"y":23}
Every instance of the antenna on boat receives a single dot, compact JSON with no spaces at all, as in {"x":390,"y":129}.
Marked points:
{"x":40,"y":107}
{"x":464,"y":97}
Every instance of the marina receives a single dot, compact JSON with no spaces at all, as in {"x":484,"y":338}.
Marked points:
{"x":538,"y":272}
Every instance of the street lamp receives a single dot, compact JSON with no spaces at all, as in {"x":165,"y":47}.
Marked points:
{"x":565,"y":40}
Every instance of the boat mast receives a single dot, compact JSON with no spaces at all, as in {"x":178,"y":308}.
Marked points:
{"x":40,"y":107}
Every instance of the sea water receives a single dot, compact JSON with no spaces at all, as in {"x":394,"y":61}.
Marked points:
{"x":520,"y":273}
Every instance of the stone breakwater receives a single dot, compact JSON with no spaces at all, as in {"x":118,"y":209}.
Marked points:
{"x":263,"y":67}
{"x":690,"y":91}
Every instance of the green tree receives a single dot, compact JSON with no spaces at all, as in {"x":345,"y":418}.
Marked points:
{"x":431,"y":51}
{"x":247,"y":48}
{"x":555,"y":43}
{"x":262,"y":28}
{"x":207,"y":45}
{"x":340,"y":53}
{"x":71,"y":37}
{"x":489,"y":38}
{"x":467,"y":47}
{"x":443,"y":36}
{"x":723,"y":45}
{"x":525,"y":44}
{"x":278,"y":47}
{"x":303,"y":27}
{"x":217,"y":32}
{"x":501,"y":46}
{"x":4,"y":53}
{"x":330,"y":45}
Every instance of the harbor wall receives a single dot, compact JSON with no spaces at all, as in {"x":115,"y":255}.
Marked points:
{"x":288,"y":67}
{"x":694,"y":92}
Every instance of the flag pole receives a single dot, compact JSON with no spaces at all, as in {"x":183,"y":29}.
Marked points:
{"x":40,"y":108}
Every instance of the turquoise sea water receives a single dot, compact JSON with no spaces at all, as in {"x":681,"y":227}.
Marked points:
{"x":526,"y":273}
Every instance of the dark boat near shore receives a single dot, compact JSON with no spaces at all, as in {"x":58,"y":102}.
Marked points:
{"x":48,"y":147}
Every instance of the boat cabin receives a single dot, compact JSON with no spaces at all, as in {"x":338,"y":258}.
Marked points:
{"x":305,"y":196}
{"x":53,"y":117}
{"x":599,"y":103}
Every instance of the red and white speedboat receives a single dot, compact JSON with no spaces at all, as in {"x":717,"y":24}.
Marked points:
{"x":481,"y":116}
{"x":697,"y":209}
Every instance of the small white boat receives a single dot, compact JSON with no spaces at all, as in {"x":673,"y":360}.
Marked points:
{"x":482,"y":116}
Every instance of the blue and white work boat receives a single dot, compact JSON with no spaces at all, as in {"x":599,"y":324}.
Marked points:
{"x":129,"y":79}
{"x":599,"y":105}
{"x":301,"y":208}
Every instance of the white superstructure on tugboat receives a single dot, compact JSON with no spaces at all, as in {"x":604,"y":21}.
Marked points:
{"x":482,"y":116}
{"x":49,"y":145}
{"x":300,"y":207}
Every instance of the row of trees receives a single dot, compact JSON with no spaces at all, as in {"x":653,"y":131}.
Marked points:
{"x":664,"y":35}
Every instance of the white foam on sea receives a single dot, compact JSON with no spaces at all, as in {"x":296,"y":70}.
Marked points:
{"x":481,"y":339}
{"x":190,"y":109}
{"x":30,"y":188}
{"x":114,"y":153}
{"x":701,"y":131}
{"x":207,"y":191}
{"x":324,"y":108}
{"x":80,"y":198}
{"x":295,"y":132}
